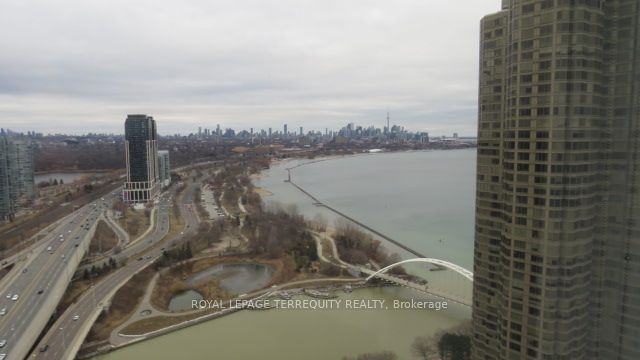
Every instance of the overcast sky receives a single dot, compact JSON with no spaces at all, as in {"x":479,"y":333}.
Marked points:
{"x":79,"y":66}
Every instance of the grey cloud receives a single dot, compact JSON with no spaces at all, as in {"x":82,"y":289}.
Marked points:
{"x":240,"y":63}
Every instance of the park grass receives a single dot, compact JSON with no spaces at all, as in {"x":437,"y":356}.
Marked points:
{"x":124,"y":303}
{"x":104,"y":239}
{"x":134,"y":222}
{"x":145,"y":326}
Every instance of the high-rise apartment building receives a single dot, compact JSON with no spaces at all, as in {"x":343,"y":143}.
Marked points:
{"x":164,"y":169}
{"x":141,"y":148}
{"x":557,"y":244}
{"x":16,"y":175}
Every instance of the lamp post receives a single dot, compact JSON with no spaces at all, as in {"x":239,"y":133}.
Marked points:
{"x":64,"y":342}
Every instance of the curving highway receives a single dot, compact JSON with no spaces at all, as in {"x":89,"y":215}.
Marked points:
{"x":32,"y":293}
{"x":65,"y":337}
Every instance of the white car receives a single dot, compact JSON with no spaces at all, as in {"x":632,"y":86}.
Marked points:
{"x":3,"y":343}
{"x":14,"y":297}
{"x":9,"y":296}
{"x":3,"y":311}
{"x":3,"y":356}
{"x":76,"y":317}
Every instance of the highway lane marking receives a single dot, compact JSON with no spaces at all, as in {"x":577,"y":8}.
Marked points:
{"x":102,"y":289}
{"x":69,"y":248}
{"x":125,"y":272}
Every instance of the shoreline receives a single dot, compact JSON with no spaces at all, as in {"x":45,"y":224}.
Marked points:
{"x":207,"y":317}
{"x":323,"y":158}
{"x":76,"y":171}
{"x":262,"y":192}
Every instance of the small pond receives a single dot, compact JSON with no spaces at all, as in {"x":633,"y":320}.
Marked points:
{"x":235,"y":279}
{"x":182,"y":301}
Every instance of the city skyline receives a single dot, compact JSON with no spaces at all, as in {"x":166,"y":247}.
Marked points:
{"x":352,"y":63}
{"x":212,"y":129}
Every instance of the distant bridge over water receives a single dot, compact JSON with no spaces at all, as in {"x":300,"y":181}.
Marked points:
{"x":456,"y":276}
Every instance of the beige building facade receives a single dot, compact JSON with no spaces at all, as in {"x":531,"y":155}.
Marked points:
{"x":557,"y":244}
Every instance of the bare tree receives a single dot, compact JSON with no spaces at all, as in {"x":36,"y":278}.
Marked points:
{"x":383,"y":355}
{"x":320,"y":222}
{"x":423,"y":348}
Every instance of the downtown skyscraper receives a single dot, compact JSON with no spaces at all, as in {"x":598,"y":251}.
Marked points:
{"x":141,"y":149}
{"x":557,"y":243}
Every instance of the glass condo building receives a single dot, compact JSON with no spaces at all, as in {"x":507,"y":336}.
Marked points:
{"x":141,"y":149}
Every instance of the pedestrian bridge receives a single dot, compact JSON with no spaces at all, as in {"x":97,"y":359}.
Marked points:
{"x":454,"y":279}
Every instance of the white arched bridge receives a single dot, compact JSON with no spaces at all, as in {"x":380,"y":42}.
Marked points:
{"x":454,"y":278}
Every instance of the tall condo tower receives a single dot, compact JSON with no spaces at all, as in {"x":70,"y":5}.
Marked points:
{"x":164,"y":168}
{"x":141,"y":150}
{"x":16,"y":175}
{"x":557,"y":242}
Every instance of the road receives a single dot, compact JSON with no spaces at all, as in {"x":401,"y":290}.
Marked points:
{"x":65,"y":337}
{"x":29,"y":298}
{"x":52,"y":215}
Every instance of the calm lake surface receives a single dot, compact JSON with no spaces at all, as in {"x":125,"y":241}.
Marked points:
{"x":417,"y":198}
{"x":423,"y":199}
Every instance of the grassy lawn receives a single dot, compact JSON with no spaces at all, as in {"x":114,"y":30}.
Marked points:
{"x":134,"y":222}
{"x":157,"y":322}
{"x":124,"y":303}
{"x":103,"y":240}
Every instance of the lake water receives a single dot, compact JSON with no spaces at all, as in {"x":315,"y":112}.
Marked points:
{"x":423,"y":199}
{"x":297,"y":334}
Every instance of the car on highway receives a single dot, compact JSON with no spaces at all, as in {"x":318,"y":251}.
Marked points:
{"x":3,"y":356}
{"x":44,"y":348}
{"x":3,"y":311}
{"x":40,"y":291}
{"x":24,"y":271}
{"x":9,"y":296}
{"x":3,"y":343}
{"x":76,"y":317}
{"x":49,"y":249}
{"x":15,"y":297}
